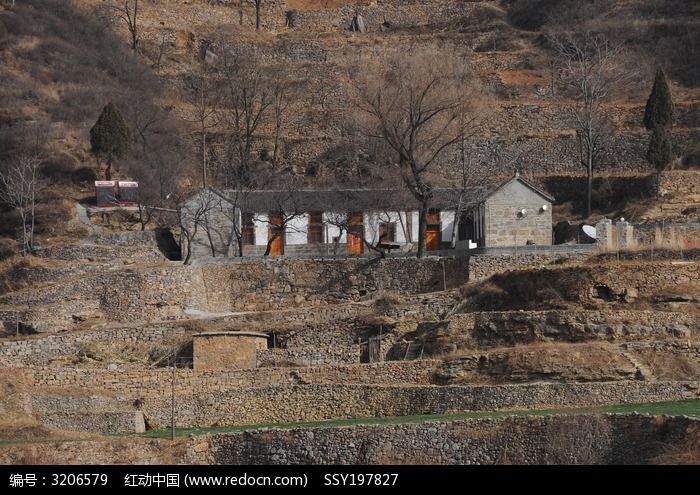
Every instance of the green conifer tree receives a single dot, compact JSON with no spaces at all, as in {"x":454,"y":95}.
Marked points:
{"x":659,"y":152}
{"x":659,"y":109}
{"x":110,"y":137}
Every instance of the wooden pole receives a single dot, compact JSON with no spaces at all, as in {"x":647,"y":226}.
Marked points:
{"x":172,"y":403}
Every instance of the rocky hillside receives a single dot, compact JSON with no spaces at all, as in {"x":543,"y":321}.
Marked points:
{"x":63,"y":61}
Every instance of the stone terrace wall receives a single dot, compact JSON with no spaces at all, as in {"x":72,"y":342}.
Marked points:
{"x":509,"y":328}
{"x":41,"y":351}
{"x":283,"y":283}
{"x":400,"y":15}
{"x":283,"y":404}
{"x":483,"y":266}
{"x":99,"y":252}
{"x":335,"y":341}
{"x":418,"y":306}
{"x":581,"y":439}
{"x":647,"y":278}
{"x":594,"y":284}
{"x":318,"y":321}
{"x":158,"y":382}
{"x":163,"y":293}
{"x":675,"y":185}
{"x":157,"y":293}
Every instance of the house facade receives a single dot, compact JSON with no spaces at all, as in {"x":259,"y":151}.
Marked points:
{"x":356,"y":222}
{"x":515,"y":213}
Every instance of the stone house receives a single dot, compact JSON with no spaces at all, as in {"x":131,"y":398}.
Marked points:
{"x":353,"y":221}
{"x":515,"y":213}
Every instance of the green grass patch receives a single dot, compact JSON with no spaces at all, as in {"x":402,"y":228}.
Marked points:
{"x":690,"y":407}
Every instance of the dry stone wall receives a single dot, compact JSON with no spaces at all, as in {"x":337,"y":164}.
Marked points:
{"x":164,"y":292}
{"x":126,"y":294}
{"x":283,"y":404}
{"x":511,"y":328}
{"x":43,"y":350}
{"x":593,"y":284}
{"x":153,"y":383}
{"x":284,"y":283}
{"x":581,"y":439}
{"x":483,"y":266}
{"x":673,"y":185}
{"x":101,"y":252}
{"x":381,"y":16}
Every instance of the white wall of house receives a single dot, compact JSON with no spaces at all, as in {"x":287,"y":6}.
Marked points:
{"x":447,"y":223}
{"x":261,"y":228}
{"x":402,"y":227}
{"x":405,"y":223}
{"x":333,"y":230}
{"x":297,"y":230}
{"x":415,"y":222}
{"x":374,"y":219}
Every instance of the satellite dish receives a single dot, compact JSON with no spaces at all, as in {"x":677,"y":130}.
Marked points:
{"x":589,"y":230}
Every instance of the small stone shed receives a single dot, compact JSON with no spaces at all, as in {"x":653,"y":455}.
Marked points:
{"x":515,"y":213}
{"x":227,"y":350}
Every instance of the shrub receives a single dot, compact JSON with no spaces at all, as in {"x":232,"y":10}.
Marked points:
{"x":83,"y":175}
{"x":7,"y":249}
{"x":58,"y":169}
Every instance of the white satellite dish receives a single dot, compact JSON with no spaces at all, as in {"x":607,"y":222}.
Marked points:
{"x":589,"y":230}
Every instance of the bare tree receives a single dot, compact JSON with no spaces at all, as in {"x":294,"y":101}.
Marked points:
{"x":248,"y":99}
{"x":204,"y":98}
{"x":281,"y":101}
{"x":258,"y":7}
{"x":416,"y":106}
{"x":193,"y":216}
{"x":590,"y":72}
{"x":129,"y":14}
{"x":238,"y":199}
{"x":285,"y":208}
{"x":18,"y":188}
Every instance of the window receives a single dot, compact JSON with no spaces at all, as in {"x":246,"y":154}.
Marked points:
{"x":387,"y":232}
{"x":248,"y":230}
{"x":433,"y":216}
{"x":315,"y":232}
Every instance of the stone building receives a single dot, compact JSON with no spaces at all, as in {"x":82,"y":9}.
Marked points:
{"x":356,"y":221}
{"x":515,"y":213}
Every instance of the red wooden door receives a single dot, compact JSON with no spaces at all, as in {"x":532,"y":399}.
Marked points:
{"x":432,"y":238}
{"x":276,"y":234}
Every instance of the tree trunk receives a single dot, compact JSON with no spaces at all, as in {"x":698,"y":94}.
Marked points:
{"x":134,"y":29}
{"x":422,"y":227}
{"x":268,"y":248}
{"x":32,"y":209}
{"x":23,"y":217}
{"x":204,"y":156}
{"x":258,"y":4}
{"x":589,"y":171}
{"x":108,"y":170}
{"x":188,"y":251}
{"x":455,"y":222}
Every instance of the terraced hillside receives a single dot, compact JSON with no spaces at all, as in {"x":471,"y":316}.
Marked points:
{"x":584,"y":337}
{"x":510,"y":358}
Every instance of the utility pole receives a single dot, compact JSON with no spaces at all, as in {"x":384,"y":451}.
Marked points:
{"x":172,"y":402}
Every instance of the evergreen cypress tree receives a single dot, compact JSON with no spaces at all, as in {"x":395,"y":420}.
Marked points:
{"x":659,"y":109}
{"x":659,"y":152}
{"x":110,"y":137}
